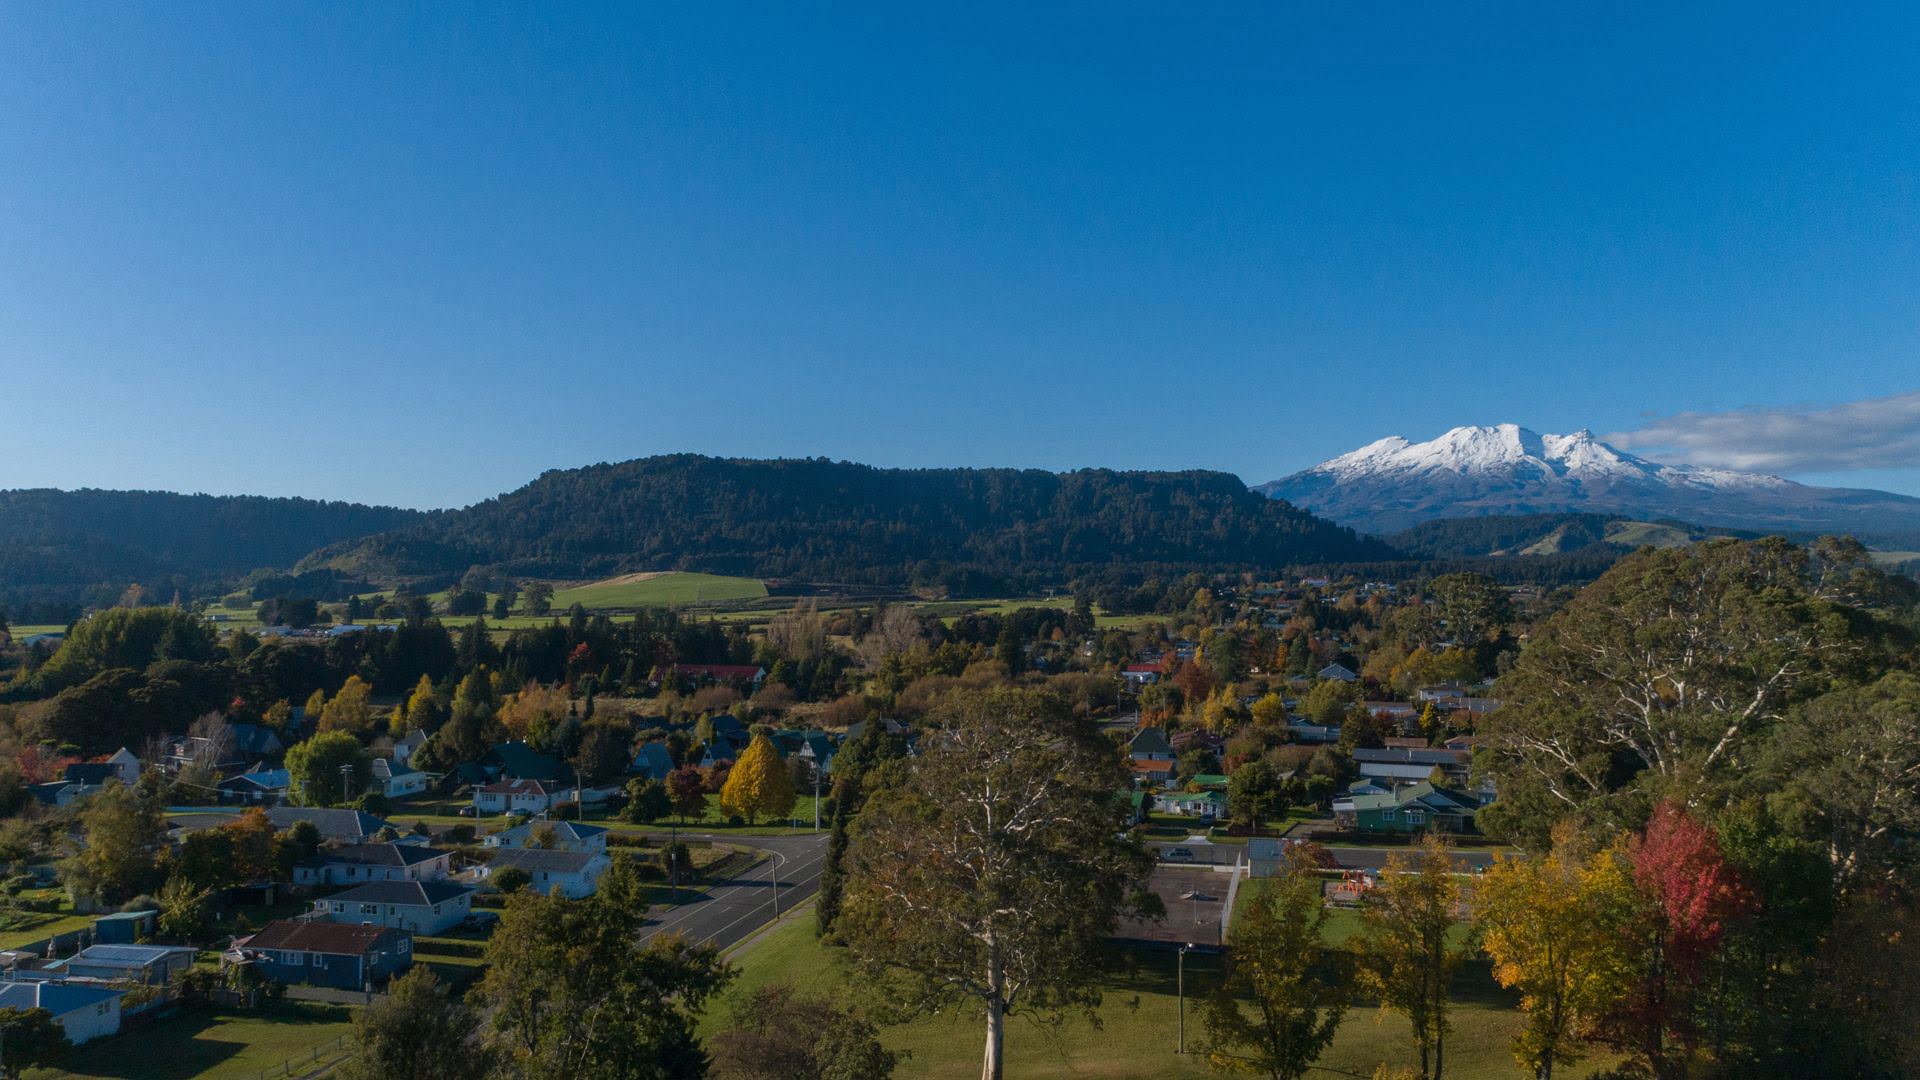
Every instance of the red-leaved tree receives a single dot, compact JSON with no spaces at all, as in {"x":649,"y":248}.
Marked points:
{"x":1687,"y":895}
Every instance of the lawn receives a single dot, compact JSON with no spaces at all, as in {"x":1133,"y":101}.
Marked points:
{"x":637,"y":590}
{"x":27,"y":927}
{"x":212,"y":1043}
{"x":1139,"y":1021}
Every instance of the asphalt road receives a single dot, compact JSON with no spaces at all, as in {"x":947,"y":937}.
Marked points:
{"x":1353,"y":858}
{"x":736,"y":907}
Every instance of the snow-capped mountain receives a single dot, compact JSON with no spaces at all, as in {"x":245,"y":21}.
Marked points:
{"x":1393,"y":484}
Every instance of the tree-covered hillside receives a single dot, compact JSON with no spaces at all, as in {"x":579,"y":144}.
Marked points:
{"x":62,"y":550}
{"x":833,"y":521}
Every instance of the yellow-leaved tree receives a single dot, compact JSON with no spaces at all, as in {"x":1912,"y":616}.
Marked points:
{"x":1553,"y":926}
{"x":758,"y":784}
{"x":351,"y":709}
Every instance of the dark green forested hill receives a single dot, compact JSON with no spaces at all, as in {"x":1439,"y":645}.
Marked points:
{"x":60,"y":550}
{"x":834,"y":521}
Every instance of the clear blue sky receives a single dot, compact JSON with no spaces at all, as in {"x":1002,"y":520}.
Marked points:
{"x":410,"y":254}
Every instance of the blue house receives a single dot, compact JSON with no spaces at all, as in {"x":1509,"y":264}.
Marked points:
{"x":652,"y":761}
{"x":339,"y":955}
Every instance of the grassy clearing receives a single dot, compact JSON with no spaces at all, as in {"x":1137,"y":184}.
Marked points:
{"x":27,"y":927}
{"x":659,"y":591}
{"x":211,"y":1043}
{"x":1138,"y":1028}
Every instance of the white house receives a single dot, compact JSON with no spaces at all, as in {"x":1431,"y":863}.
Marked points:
{"x":424,"y":907}
{"x":84,"y":1011}
{"x":567,"y":836}
{"x":358,"y":864}
{"x":504,"y":795}
{"x":574,"y":873}
{"x":396,"y":779}
{"x":404,"y":750}
{"x":125,"y":765}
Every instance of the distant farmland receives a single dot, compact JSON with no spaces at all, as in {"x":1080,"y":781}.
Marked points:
{"x":658,"y":590}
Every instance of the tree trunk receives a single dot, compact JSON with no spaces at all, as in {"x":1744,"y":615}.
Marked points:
{"x":992,"y":1067}
{"x":996,"y":1033}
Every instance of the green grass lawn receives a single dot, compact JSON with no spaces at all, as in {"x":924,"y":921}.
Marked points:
{"x":672,"y":588}
{"x":1139,"y":1020}
{"x":32,"y":926}
{"x":211,"y":1043}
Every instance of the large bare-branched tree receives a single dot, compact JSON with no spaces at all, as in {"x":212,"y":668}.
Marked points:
{"x":988,"y":870}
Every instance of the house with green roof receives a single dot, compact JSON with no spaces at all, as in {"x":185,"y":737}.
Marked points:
{"x":1411,"y":809}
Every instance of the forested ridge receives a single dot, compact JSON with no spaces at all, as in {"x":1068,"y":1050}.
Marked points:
{"x":60,"y":550}
{"x":821,"y":520}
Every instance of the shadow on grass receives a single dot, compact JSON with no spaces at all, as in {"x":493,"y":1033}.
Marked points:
{"x":179,"y":1045}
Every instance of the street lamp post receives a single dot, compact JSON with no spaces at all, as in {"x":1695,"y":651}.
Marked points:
{"x":1181,"y":983}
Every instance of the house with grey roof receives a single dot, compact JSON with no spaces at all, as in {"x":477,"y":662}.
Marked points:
{"x":559,"y":836}
{"x":422,"y":907}
{"x":575,"y":873}
{"x":351,"y":826}
{"x":357,"y":864}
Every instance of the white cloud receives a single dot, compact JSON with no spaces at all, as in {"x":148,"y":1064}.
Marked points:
{"x":1878,"y":433}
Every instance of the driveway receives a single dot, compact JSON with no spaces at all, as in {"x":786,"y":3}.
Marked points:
{"x":737,"y":906}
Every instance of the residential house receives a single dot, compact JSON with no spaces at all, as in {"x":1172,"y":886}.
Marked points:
{"x":566,"y":836}
{"x":651,"y":761}
{"x":125,"y":765}
{"x":90,"y":774}
{"x":338,"y":955}
{"x":750,"y":674}
{"x":347,"y":826}
{"x":423,"y":907}
{"x":253,"y":741}
{"x":1387,"y":763}
{"x":1153,"y":772}
{"x":155,"y":965}
{"x":258,"y":787}
{"x":357,"y":864}
{"x":1314,"y":734}
{"x":1204,"y":804}
{"x":1150,"y":744}
{"x":83,"y":1010}
{"x":518,"y":761}
{"x":404,"y":749}
{"x":61,"y":792}
{"x":718,"y":752}
{"x":1338,"y":672}
{"x":1138,"y":675}
{"x":1414,"y":808}
{"x":397,"y":780}
{"x":817,"y":750}
{"x":502,"y":796}
{"x":575,"y":873}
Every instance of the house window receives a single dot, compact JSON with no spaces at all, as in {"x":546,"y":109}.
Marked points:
{"x":369,"y":909}
{"x":1416,"y":817}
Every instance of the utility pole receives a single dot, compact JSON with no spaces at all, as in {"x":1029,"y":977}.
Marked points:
{"x":673,"y":861}
{"x":773,"y":869}
{"x":816,"y":796}
{"x":346,"y":783}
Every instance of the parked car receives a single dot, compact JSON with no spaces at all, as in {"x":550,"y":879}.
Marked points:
{"x":1177,"y":854}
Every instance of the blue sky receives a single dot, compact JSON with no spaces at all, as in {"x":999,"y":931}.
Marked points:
{"x":418,"y":254}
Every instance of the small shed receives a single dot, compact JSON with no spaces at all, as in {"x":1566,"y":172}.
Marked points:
{"x":124,"y":927}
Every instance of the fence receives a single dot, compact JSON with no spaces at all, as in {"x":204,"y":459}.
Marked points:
{"x":333,"y":1051}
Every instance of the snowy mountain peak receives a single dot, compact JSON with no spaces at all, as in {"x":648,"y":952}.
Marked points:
{"x":1502,"y":448}
{"x":1508,"y":469}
